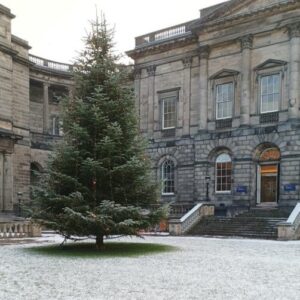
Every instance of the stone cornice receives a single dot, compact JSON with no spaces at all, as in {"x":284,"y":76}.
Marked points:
{"x":167,"y":60}
{"x":206,"y":23}
{"x":6,"y":11}
{"x":23,"y":61}
{"x":161,"y":46}
{"x":51,"y":72}
{"x":20,"y":42}
{"x":8,"y":50}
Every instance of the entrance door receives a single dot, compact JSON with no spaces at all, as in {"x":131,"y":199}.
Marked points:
{"x":269,"y":183}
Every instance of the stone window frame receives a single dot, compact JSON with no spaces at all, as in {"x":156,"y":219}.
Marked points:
{"x":163,"y":95}
{"x":268,"y":68}
{"x":160,"y":165}
{"x":224,"y":76}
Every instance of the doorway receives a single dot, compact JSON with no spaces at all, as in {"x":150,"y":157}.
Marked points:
{"x":268,"y":177}
{"x":269,"y":183}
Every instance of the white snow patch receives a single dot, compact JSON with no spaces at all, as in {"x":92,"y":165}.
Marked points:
{"x":203,"y":268}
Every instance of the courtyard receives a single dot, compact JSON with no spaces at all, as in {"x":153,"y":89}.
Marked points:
{"x":201,"y":268}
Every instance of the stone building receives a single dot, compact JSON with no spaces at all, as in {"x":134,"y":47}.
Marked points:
{"x":218,"y":100}
{"x":30,"y":88}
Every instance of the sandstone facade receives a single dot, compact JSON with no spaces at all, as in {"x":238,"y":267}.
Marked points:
{"x":29,"y":100}
{"x":218,"y":100}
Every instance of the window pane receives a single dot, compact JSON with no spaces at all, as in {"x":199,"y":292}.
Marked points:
{"x":168,"y":177}
{"x":169,"y":112}
{"x":276,"y":83}
{"x":223,"y":173}
{"x":270,"y":92}
{"x":224,"y":99}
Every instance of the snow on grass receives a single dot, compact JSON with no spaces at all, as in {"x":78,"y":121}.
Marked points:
{"x":203,"y":268}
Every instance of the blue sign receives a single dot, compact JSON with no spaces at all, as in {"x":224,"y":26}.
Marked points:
{"x":290,"y":187}
{"x":241,"y":189}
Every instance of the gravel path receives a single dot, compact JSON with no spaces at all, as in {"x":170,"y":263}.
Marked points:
{"x":203,"y":268}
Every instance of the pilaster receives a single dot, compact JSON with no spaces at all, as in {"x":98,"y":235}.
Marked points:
{"x":203,"y":86}
{"x":137,"y":91}
{"x":45,"y":107}
{"x":8,"y":182}
{"x":187,"y":64}
{"x":294,"y":35}
{"x":246,"y":46}
{"x":151,"y":87}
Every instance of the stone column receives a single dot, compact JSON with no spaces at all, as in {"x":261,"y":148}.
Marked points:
{"x":8,"y":182}
{"x":151,"y":87}
{"x":187,"y":63}
{"x":246,"y":46}
{"x":294,"y":34}
{"x":46,"y":107}
{"x":203,"y":83}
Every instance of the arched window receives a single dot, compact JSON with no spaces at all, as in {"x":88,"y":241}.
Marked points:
{"x":223,"y":173}
{"x":168,"y":177}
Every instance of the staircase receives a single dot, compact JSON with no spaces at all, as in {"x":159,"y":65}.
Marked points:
{"x":257,"y":223}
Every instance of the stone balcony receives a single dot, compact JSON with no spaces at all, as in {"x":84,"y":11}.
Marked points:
{"x":50,"y":65}
{"x":170,"y":33}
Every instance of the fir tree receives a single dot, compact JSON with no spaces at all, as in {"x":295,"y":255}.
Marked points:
{"x":98,"y":182}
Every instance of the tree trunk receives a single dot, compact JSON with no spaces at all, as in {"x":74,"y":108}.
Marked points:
{"x":99,"y":242}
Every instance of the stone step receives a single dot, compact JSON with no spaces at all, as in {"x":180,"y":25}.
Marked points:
{"x":245,"y":225}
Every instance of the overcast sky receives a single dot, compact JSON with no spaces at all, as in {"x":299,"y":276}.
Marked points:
{"x":54,"y":28}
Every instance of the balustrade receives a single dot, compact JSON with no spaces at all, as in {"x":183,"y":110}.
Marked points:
{"x":166,"y":33}
{"x":46,"y":63}
{"x":191,"y":218}
{"x":18,"y":230}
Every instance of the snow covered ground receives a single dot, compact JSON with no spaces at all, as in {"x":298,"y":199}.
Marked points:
{"x":203,"y":268}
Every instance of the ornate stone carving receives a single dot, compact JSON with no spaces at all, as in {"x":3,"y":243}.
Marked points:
{"x":137,"y":73}
{"x":151,"y":70}
{"x":187,"y":61}
{"x":204,"y":52}
{"x":294,"y":30}
{"x":292,"y":102}
{"x":246,"y":41}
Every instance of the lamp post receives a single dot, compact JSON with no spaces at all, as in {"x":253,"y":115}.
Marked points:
{"x":207,"y":180}
{"x":19,"y":194}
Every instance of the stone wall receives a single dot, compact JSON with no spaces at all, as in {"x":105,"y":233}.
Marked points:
{"x":28,"y":103}
{"x":241,"y":50}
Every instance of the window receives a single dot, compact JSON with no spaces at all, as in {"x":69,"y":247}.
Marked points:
{"x":169,"y":113}
{"x":56,"y":126}
{"x":224,"y":100}
{"x":168,"y":177}
{"x":270,"y":93}
{"x":223,"y":173}
{"x":168,"y":108}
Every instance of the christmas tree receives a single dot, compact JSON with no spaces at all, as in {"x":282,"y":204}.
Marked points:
{"x":98,"y":182}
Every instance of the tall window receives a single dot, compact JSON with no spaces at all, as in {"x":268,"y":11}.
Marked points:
{"x":224,"y":100}
{"x":169,"y":113}
{"x":56,"y":126}
{"x":168,"y":177}
{"x":223,"y":173}
{"x":270,"y":93}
